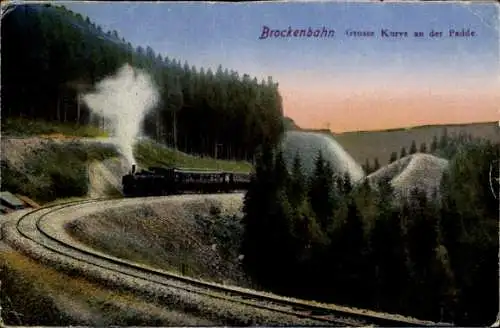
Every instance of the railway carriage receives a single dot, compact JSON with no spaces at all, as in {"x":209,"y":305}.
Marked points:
{"x":169,"y":181}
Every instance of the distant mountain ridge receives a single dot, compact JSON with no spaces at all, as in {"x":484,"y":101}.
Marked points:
{"x":408,"y":128}
{"x":415,"y":127}
{"x":371,"y":145}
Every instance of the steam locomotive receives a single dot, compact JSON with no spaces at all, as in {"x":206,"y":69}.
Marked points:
{"x":157,"y":181}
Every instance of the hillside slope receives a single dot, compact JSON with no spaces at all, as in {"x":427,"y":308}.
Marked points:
{"x":380,"y":144}
{"x":52,"y":56}
{"x":54,"y":167}
{"x":308,"y":145}
{"x":195,"y":236}
{"x":418,"y":171}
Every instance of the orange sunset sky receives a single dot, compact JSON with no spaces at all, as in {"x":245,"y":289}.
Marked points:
{"x":350,"y":109}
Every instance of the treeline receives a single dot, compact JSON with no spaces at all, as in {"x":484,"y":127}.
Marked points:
{"x":51,"y":54}
{"x":323,"y":238}
{"x":445,"y":147}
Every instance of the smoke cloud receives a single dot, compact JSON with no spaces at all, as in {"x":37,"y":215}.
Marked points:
{"x":123,"y":100}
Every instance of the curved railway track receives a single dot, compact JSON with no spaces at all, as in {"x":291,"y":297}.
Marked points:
{"x":32,"y":226}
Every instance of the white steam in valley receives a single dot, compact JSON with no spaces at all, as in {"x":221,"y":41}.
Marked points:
{"x":123,"y":101}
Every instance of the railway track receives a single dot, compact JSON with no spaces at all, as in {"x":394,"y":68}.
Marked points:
{"x":33,"y":226}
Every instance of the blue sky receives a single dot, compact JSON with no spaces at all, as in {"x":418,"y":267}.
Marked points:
{"x":207,"y":34}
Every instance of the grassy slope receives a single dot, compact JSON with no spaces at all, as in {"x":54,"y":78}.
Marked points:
{"x":180,"y":242}
{"x":58,"y":170}
{"x":33,"y":294}
{"x":149,"y":154}
{"x":52,"y":171}
{"x":21,"y":127}
{"x":372,"y":144}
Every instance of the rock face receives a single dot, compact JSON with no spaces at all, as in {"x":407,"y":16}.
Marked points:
{"x":308,"y":145}
{"x":420,"y":171}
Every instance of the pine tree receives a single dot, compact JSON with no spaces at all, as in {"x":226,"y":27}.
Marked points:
{"x":469,"y":225}
{"x":388,"y":255}
{"x":321,"y":191}
{"x":348,"y":251}
{"x":422,"y":245}
{"x":297,"y":187}
{"x":376,"y":164}
{"x":413,"y":147}
{"x":434,"y":144}
{"x":423,"y":148}
{"x":259,"y":201}
{"x":403,"y":152}
{"x":309,"y":241}
{"x":394,"y":157}
{"x":347,"y":184}
{"x":281,"y":172}
{"x":269,"y":242}
{"x":443,"y":142}
{"x":367,"y":168}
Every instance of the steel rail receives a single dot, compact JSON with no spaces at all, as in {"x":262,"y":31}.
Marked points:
{"x":297,"y":308}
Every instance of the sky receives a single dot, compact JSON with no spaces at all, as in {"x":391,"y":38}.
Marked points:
{"x":341,"y":82}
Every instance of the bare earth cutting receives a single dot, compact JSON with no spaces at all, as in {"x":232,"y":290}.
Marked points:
{"x":197,"y":238}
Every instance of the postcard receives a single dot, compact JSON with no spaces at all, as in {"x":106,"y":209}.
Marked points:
{"x":259,"y":163}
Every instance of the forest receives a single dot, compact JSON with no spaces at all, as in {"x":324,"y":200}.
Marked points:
{"x":50,"y":55}
{"x":318,"y":237}
{"x":323,"y":238}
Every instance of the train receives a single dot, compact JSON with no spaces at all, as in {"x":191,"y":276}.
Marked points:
{"x":159,"y":181}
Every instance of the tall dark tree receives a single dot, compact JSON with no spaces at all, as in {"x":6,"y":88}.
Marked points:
{"x":259,"y":201}
{"x":413,"y":147}
{"x":443,"y":141}
{"x":394,"y":157}
{"x":367,"y":167}
{"x":298,"y":183}
{"x":403,"y":152}
{"x":470,"y":231}
{"x":423,"y":148}
{"x":434,"y":144}
{"x":321,"y":190}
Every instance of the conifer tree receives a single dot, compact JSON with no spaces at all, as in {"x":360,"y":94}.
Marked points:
{"x":281,"y":172}
{"x":434,"y":144}
{"x":443,"y":142}
{"x":423,"y":148}
{"x":259,"y":201}
{"x":321,"y":191}
{"x":298,"y":183}
{"x":347,"y":184}
{"x":394,"y":157}
{"x":376,"y":164}
{"x":413,"y":147}
{"x":403,"y":152}
{"x":367,"y":167}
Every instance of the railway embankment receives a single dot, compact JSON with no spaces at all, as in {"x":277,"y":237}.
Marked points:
{"x":41,"y":236}
{"x":90,"y":291}
{"x":51,"y":167}
{"x":192,"y":235}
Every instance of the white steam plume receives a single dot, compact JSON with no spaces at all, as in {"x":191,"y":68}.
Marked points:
{"x":123,"y":100}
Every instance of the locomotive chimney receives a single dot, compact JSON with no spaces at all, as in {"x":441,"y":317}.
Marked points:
{"x":133,"y":168}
